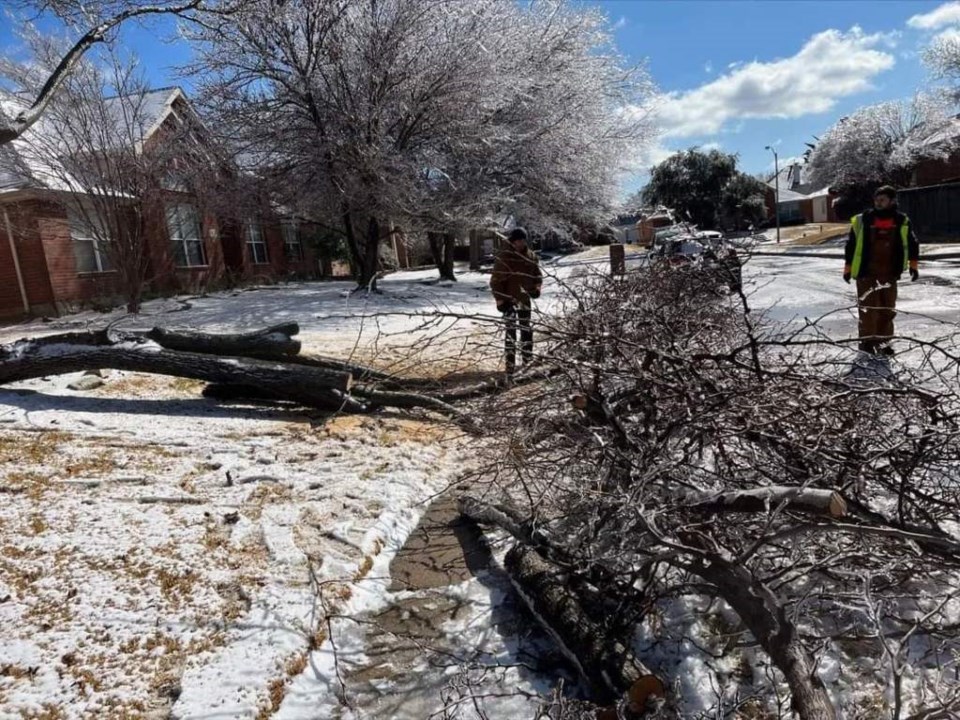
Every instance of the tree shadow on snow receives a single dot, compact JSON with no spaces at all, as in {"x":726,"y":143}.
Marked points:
{"x":32,"y":401}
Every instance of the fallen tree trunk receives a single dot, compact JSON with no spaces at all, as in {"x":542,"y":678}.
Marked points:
{"x":768,"y":621}
{"x":608,"y":666}
{"x":811,"y":500}
{"x":73,"y":352}
{"x":605,"y":663}
{"x":380,"y":398}
{"x":275,"y":341}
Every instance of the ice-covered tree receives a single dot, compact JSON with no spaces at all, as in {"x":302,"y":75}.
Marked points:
{"x":942,"y":57}
{"x":883,"y":143}
{"x":434,"y":114}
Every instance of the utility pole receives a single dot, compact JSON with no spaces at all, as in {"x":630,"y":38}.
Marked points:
{"x":776,"y":186}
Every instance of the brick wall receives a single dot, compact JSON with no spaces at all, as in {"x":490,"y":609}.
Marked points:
{"x":71,"y":289}
{"x":24,"y":222}
{"x":45,"y":248}
{"x":936,"y":172}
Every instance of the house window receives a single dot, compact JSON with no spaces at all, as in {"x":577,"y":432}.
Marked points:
{"x":89,"y":244}
{"x":292,"y":247}
{"x":183,"y":223}
{"x":256,"y":244}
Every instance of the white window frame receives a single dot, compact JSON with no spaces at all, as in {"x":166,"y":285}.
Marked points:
{"x":182,"y":241}
{"x":82,"y":232}
{"x":256,"y":238}
{"x":292,"y":248}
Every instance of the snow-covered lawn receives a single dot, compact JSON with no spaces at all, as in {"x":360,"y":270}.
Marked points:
{"x":161,"y":552}
{"x":164,"y":553}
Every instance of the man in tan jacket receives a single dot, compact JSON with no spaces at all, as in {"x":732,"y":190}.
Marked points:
{"x":516,"y":280}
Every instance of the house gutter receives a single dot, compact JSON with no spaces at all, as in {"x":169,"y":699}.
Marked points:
{"x":16,"y":263}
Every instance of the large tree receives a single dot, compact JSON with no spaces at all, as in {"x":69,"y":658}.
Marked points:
{"x":428,"y":113}
{"x":942,"y":57}
{"x":705,"y":188}
{"x":882,"y":144}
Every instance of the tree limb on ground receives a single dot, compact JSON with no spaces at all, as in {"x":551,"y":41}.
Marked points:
{"x":12,"y":129}
{"x":812,"y":500}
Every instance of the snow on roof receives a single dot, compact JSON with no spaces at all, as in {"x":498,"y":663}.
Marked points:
{"x":793,"y":179}
{"x":38,"y":166}
{"x":950,"y":132}
{"x":790,"y":196}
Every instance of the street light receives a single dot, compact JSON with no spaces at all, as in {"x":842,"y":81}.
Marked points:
{"x":776,"y":185}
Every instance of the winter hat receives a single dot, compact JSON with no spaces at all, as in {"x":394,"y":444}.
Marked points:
{"x":517,"y":234}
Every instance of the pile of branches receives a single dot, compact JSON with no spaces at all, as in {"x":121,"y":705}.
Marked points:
{"x":728,"y":492}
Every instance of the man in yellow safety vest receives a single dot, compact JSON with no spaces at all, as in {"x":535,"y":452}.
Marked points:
{"x":881,"y":246}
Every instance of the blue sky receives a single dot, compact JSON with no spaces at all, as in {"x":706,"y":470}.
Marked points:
{"x":736,"y":74}
{"x":741,"y":75}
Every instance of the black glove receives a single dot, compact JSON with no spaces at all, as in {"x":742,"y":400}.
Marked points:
{"x":846,"y":277}
{"x":914,"y":274}
{"x":535,"y":293}
{"x":505,"y":306}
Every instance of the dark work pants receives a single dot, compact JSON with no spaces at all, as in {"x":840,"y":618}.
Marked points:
{"x":877,"y":304}
{"x":513,"y":318}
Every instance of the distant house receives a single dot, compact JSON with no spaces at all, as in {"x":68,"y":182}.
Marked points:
{"x":627,"y":227}
{"x":940,"y":171}
{"x":50,"y":264}
{"x":800,"y":201}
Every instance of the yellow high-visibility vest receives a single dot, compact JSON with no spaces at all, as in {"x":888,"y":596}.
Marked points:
{"x":857,"y":222}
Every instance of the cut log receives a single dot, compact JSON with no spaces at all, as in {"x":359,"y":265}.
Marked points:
{"x":811,"y":500}
{"x":605,"y":663}
{"x":73,"y":352}
{"x":272,"y":342}
{"x":502,"y":515}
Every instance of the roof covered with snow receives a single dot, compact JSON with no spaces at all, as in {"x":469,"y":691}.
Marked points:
{"x":31,"y":160}
{"x":794,"y":183}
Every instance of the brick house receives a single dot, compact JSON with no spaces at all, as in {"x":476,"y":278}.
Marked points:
{"x":50,"y":264}
{"x":800,"y":200}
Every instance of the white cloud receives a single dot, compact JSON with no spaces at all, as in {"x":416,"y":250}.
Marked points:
{"x":708,"y":68}
{"x":654,"y":155}
{"x":946,"y":14}
{"x":830,"y":66}
{"x":714,"y":145}
{"x":951,"y":35}
{"x":620,"y":23}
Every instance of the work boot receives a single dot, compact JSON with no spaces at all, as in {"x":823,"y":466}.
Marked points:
{"x":885,"y":350}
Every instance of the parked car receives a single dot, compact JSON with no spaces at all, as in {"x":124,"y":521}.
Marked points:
{"x":661,"y":235}
{"x":717,"y":258}
{"x":568,"y":246}
{"x":709,"y":235}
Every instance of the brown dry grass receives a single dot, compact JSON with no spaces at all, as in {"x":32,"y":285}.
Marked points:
{"x":277,"y":688}
{"x":265,"y":494}
{"x":31,"y":448}
{"x":47,"y":711}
